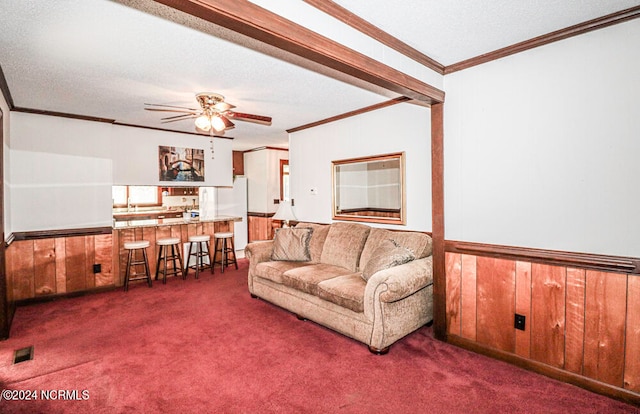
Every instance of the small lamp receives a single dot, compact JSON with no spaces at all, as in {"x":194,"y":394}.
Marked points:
{"x":285,"y":213}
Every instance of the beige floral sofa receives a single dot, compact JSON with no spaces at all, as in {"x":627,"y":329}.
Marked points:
{"x":373,"y":285}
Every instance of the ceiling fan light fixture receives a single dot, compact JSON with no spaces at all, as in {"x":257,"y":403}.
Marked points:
{"x":203,"y":122}
{"x":217,"y":123}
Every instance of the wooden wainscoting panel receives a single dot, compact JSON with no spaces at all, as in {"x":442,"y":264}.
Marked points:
{"x":179,"y":231}
{"x":496,"y":303}
{"x":44,"y":261}
{"x":523,"y":307}
{"x":453,"y":269}
{"x":75,"y":263}
{"x":19,"y":262}
{"x":632,"y":348}
{"x":103,"y":257}
{"x":208,"y":228}
{"x":61,"y":265}
{"x":468,"y":297}
{"x":89,"y":256}
{"x":547,"y":313}
{"x":574,"y":339}
{"x":606,"y":304}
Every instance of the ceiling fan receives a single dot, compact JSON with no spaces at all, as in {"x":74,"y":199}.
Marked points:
{"x":213,"y":117}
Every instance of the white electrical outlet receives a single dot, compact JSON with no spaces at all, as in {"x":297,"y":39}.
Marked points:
{"x":313,"y":191}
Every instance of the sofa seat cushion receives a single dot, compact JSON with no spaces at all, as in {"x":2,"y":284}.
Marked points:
{"x":346,"y":291}
{"x":273,"y":270}
{"x":306,"y":278}
{"x":420,"y":244}
{"x":344,"y":244}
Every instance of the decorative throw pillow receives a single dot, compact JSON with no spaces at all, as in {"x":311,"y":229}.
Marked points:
{"x":388,"y":254}
{"x":292,"y":244}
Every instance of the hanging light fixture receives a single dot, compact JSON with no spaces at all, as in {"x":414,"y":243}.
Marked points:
{"x":203,"y":122}
{"x":217,"y":123}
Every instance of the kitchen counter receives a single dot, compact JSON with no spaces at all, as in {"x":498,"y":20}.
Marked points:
{"x":118,"y":225}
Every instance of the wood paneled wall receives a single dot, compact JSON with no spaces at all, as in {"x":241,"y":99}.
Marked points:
{"x":579,"y":320}
{"x":261,"y":227}
{"x":54,"y":266}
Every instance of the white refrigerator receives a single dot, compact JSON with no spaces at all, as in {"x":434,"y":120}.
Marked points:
{"x":232,"y":201}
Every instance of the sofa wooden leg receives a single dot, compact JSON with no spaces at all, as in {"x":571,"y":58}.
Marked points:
{"x":301,"y":318}
{"x":254,"y":296}
{"x":378,"y":351}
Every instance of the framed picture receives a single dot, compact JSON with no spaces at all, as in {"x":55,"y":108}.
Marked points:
{"x":180,"y":164}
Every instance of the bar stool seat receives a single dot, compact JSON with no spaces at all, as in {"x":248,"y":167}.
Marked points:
{"x":132,"y":262}
{"x":225,"y":248}
{"x":199,"y":248}
{"x":169,"y":252}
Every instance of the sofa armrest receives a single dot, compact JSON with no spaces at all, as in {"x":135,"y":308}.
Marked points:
{"x":401,"y":281}
{"x":259,"y":251}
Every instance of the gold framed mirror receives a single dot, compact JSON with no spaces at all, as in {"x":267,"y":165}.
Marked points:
{"x":370,"y":189}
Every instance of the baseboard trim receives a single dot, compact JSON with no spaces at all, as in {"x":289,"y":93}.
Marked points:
{"x":556,"y":373}
{"x":50,"y":298}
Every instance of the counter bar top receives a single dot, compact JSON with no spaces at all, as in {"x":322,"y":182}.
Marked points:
{"x":118,"y":225}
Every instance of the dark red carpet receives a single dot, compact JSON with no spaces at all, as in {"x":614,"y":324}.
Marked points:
{"x":204,"y":346}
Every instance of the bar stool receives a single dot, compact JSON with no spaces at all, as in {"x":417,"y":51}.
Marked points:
{"x":200,"y":242}
{"x":169,"y":251}
{"x":224,"y":249}
{"x":132,"y":247}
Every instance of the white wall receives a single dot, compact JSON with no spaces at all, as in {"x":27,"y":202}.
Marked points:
{"x":541,"y":148}
{"x":402,"y":127}
{"x":62,"y":169}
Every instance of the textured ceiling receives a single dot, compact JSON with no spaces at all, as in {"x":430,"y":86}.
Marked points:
{"x":106,"y":59}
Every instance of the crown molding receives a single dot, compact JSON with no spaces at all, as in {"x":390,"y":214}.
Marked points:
{"x":575,"y":30}
{"x":349,"y":114}
{"x":4,"y":87}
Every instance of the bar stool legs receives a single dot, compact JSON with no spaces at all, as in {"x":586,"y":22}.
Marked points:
{"x":202,"y":250}
{"x":169,"y":251}
{"x":224,"y":249}
{"x":132,"y":262}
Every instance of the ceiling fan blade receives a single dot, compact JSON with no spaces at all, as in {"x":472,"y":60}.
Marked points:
{"x":223,"y":106}
{"x":227,"y":123}
{"x":170,"y":110}
{"x":172,"y":106}
{"x":257,"y":119}
{"x":186,"y":116}
{"x":180,"y":119}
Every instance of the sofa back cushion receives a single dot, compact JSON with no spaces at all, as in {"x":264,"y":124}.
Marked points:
{"x":318,"y":238}
{"x":344,"y":244}
{"x":419,"y":244}
{"x":292,"y":244}
{"x":387,"y":255}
